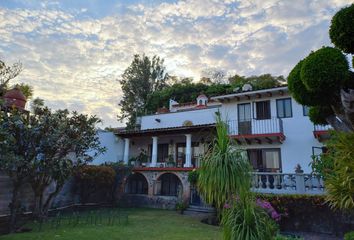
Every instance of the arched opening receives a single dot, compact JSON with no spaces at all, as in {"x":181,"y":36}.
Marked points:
{"x":136,"y":184}
{"x":170,"y":185}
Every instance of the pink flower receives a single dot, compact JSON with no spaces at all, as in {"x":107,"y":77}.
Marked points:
{"x":227,"y":206}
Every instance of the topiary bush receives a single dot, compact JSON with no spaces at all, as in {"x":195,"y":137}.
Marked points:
{"x":325,"y":71}
{"x":349,"y":236}
{"x":299,"y":91}
{"x":319,"y":114}
{"x":341,"y":30}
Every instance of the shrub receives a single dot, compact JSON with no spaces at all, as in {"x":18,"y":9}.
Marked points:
{"x":193,"y":177}
{"x":92,"y":179}
{"x":341,"y":30}
{"x":247,"y":220}
{"x":349,"y":236}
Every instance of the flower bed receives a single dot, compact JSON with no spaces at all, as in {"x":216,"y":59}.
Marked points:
{"x":308,"y":213}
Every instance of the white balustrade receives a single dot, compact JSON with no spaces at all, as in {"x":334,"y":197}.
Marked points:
{"x":287,"y":183}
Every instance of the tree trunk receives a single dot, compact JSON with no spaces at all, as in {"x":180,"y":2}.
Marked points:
{"x":347,"y":98}
{"x":48,"y":203}
{"x":38,"y":200}
{"x":14,"y":206}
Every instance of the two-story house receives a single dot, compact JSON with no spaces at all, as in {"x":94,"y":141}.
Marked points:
{"x":269,"y":124}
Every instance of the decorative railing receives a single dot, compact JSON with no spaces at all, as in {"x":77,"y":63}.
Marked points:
{"x":179,"y":162}
{"x":255,"y":126}
{"x":287,"y":183}
{"x":319,"y":128}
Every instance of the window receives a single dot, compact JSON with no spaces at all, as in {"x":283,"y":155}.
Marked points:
{"x":162,"y":152}
{"x":284,"y":109}
{"x":305,"y":110}
{"x":263,"y":110}
{"x":170,"y":184}
{"x":136,"y":184}
{"x":265,"y":160}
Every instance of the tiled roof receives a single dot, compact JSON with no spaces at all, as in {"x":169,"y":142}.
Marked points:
{"x":163,"y":130}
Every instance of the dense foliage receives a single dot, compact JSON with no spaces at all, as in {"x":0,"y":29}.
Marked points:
{"x":193,"y":177}
{"x":143,"y":77}
{"x":248,"y":221}
{"x":341,"y":31}
{"x":224,"y":171}
{"x":8,"y":73}
{"x":92,"y":179}
{"x":339,"y":179}
{"x":224,"y":179}
{"x":185,"y":90}
{"x":323,"y":79}
{"x":349,"y":236}
{"x":44,"y":148}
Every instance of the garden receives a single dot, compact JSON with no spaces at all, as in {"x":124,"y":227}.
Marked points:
{"x":46,"y":151}
{"x":141,"y":223}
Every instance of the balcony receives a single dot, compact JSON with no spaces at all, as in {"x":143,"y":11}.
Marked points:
{"x":321,"y":132}
{"x":257,"y":131}
{"x":165,"y":164}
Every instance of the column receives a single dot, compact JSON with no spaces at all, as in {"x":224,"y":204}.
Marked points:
{"x":154,"y":152}
{"x":188,"y":162}
{"x":126,"y":151}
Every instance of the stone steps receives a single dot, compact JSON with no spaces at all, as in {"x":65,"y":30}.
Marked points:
{"x":200,"y":209}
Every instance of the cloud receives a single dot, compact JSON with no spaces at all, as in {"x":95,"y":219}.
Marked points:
{"x":73,"y":53}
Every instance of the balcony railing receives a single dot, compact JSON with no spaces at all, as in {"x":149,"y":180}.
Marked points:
{"x":320,"y":128}
{"x":163,"y":162}
{"x":255,"y":126}
{"x":287,"y":183}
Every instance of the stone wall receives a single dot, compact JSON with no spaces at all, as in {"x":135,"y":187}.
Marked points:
{"x":26,"y":195}
{"x":141,"y":200}
{"x":66,"y":197}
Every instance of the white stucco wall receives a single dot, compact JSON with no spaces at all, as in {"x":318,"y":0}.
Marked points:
{"x":176,"y":119}
{"x":114,"y":148}
{"x":298,"y":130}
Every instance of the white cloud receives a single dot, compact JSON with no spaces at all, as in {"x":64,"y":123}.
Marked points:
{"x":73,"y":60}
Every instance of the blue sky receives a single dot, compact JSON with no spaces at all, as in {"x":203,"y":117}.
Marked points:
{"x":73,"y":51}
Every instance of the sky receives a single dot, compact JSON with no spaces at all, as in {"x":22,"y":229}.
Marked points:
{"x":74,"y":51}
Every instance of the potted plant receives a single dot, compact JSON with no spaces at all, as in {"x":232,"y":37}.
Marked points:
{"x":142,"y":157}
{"x":181,"y":207}
{"x":170,"y":162}
{"x":298,"y":169}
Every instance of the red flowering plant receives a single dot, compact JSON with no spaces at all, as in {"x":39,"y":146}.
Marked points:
{"x":267,"y":206}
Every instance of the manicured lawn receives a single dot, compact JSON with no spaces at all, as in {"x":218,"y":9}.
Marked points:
{"x":142,"y":224}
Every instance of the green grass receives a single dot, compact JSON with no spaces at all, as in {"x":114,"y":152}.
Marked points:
{"x":143,"y":224}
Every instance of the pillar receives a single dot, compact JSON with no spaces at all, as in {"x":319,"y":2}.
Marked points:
{"x":154,"y":152}
{"x":188,"y":162}
{"x":126,"y":151}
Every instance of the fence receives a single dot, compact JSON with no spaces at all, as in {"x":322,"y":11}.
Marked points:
{"x":255,"y":126}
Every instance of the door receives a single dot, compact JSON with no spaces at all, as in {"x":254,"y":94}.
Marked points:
{"x":244,"y":118}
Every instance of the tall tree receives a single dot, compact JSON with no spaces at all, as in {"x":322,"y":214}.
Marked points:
{"x":143,"y":77}
{"x":43,"y":149}
{"x":323,"y":79}
{"x":258,"y":82}
{"x":213,"y":76}
{"x":7,"y":73}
